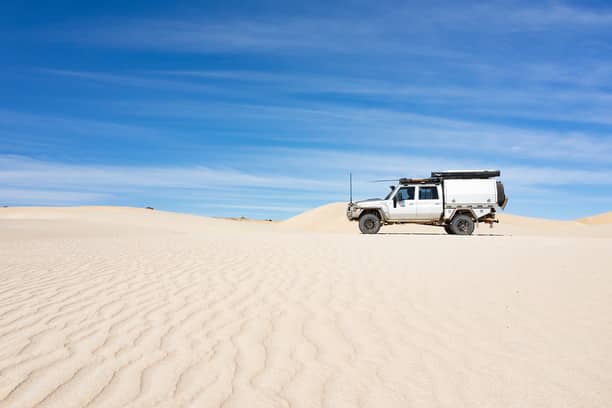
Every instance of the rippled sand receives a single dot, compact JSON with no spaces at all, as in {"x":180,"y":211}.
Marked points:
{"x":119,"y":307}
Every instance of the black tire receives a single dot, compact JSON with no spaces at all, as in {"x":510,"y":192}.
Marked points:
{"x":448,"y":229}
{"x":462,"y":225}
{"x":369,"y":223}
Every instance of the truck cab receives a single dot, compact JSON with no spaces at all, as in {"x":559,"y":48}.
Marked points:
{"x":412,"y":202}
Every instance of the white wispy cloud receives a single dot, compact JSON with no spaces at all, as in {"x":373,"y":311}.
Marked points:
{"x":512,"y":16}
{"x":212,"y":191}
{"x":40,"y":196}
{"x":389,"y":28}
{"x":574,"y":103}
{"x":25,"y":123}
{"x":395,"y":164}
{"x":325,"y":123}
{"x":555,"y":14}
{"x":584,"y":83}
{"x":126,"y":80}
{"x":26,"y":172}
{"x":287,"y":35}
{"x":330,"y":124}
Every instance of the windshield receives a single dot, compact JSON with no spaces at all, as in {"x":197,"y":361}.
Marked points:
{"x":390,"y":192}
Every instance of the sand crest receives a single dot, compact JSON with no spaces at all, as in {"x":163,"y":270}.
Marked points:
{"x":605,"y":218}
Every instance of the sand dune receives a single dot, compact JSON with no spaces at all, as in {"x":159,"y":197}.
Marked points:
{"x":605,"y":218}
{"x":332,"y":218}
{"x":120,"y":307}
{"x":326,"y":218}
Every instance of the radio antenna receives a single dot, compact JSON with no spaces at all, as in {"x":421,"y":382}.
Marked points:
{"x":351,"y":187}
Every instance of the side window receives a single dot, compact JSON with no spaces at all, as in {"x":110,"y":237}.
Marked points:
{"x":428,"y":193}
{"x":405,"y":193}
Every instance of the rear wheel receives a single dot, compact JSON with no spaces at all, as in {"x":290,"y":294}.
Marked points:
{"x":369,"y":223}
{"x":462,"y":225}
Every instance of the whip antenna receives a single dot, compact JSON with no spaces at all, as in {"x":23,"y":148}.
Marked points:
{"x":351,"y":187}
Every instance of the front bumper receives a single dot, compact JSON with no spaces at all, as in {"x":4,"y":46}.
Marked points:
{"x":353,"y":212}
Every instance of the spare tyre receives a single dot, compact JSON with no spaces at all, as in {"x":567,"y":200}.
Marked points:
{"x":501,"y":194}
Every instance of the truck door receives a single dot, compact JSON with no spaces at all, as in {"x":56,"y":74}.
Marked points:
{"x":403,"y":207}
{"x":429,"y":203}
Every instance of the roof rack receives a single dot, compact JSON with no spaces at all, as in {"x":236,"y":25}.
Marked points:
{"x":466,"y":174}
{"x":405,"y":180}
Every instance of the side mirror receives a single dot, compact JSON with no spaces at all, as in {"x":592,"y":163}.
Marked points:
{"x":396,"y":199}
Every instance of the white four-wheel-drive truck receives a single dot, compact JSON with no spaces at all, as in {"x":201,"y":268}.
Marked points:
{"x":455,"y":200}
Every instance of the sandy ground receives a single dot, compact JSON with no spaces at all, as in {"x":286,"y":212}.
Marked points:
{"x":118,"y":307}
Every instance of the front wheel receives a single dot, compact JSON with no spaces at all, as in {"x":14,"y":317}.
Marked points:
{"x":462,"y":225}
{"x":369,"y":223}
{"x":448,"y":229}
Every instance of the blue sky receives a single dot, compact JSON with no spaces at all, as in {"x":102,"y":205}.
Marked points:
{"x":261,"y":109}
